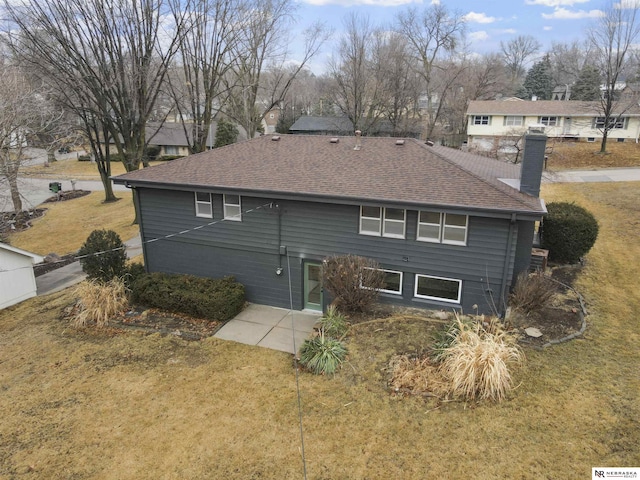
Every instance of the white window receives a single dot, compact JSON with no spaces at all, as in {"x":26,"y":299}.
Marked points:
{"x":513,"y":121}
{"x":481,"y":120}
{"x":392,"y":282}
{"x":386,"y":222}
{"x":232,"y":208}
{"x":429,"y":226}
{"x":614,"y":122}
{"x":204,"y":208}
{"x":394,"y":220}
{"x":454,"y":229}
{"x":548,"y":121}
{"x":171,"y":150}
{"x":370,"y":220}
{"x":438,"y":288}
{"x":436,"y":227}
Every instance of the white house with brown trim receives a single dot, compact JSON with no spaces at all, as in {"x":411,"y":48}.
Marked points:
{"x":491,"y":123}
{"x":17,"y":280}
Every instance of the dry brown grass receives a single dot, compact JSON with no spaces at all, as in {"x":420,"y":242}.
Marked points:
{"x":66,"y":225}
{"x":72,"y":169}
{"x":583,"y":155}
{"x":87,"y":404}
{"x":100,"y":302}
{"x":477,"y":364}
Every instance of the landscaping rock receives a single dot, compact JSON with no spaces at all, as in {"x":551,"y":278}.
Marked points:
{"x":533,"y":332}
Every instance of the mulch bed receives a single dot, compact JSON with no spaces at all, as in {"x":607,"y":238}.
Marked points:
{"x":68,"y":195}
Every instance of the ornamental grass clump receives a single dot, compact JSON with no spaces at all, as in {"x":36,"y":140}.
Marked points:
{"x":100,"y":301}
{"x":333,"y":323}
{"x":477,"y":362}
{"x":532,"y":292}
{"x":322,"y":355}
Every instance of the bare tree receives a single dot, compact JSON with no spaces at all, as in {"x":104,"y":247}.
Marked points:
{"x":611,"y":37}
{"x":24,"y":113}
{"x":517,"y":52}
{"x":357,"y":74}
{"x":205,"y":57}
{"x":567,"y":61}
{"x":264,"y":46}
{"x":434,"y":35}
{"x":106,"y":60}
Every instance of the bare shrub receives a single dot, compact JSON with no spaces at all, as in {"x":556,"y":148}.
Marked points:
{"x":532,"y":291}
{"x":100,"y":301}
{"x":477,"y":363}
{"x":416,"y":376}
{"x":354,"y":281}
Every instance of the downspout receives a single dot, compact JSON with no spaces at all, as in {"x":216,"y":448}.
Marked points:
{"x":136,"y":205}
{"x":507,"y":260}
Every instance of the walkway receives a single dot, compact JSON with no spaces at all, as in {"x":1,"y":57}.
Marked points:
{"x":631,"y":174}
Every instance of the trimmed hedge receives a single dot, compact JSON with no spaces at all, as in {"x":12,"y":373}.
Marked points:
{"x":213,"y":299}
{"x":568,"y":232}
{"x":103,"y":256}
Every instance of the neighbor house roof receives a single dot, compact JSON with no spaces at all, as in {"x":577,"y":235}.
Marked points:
{"x":545,"y":107}
{"x":314,"y":167}
{"x":35,"y":258}
{"x":172,"y":133}
{"x":343,"y":126}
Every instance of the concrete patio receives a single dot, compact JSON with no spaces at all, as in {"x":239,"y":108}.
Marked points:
{"x":270,"y":327}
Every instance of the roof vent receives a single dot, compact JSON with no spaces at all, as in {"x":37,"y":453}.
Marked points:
{"x":399,"y":142}
{"x":358,"y":142}
{"x":430,"y":143}
{"x":275,"y":138}
{"x":334,"y":140}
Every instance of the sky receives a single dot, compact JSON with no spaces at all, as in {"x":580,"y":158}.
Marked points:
{"x":488,"y":22}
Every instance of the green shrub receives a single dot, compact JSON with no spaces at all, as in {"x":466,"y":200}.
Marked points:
{"x":103,"y":256}
{"x":333,"y":323}
{"x":354,"y":281}
{"x":213,"y":299}
{"x":568,"y":232}
{"x":151,"y":152}
{"x":322,"y":354}
{"x":166,"y":158}
{"x":133,"y":271}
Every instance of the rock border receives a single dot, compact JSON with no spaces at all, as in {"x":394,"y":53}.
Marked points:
{"x":583,"y":315}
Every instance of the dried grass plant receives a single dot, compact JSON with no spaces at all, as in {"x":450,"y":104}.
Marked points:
{"x":477,"y":363}
{"x":416,"y":376}
{"x":100,"y":301}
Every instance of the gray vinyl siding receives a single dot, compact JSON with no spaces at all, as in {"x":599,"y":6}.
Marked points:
{"x":311,"y":231}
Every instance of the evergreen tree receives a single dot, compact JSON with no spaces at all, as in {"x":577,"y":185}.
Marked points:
{"x":523,"y":93}
{"x":587,"y":86}
{"x":539,"y":80}
{"x":226,"y":133}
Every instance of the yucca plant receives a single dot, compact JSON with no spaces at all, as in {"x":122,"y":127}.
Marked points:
{"x":334,"y":323}
{"x":100,"y":301}
{"x":477,"y":363}
{"x":322,"y":354}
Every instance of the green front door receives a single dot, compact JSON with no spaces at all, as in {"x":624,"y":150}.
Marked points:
{"x":313,"y":286}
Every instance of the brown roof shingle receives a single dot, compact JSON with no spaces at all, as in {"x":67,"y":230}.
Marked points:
{"x":381,"y":171}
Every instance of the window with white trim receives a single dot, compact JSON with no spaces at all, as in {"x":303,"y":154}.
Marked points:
{"x":171,"y":150}
{"x":392,"y":282}
{"x":379,"y":221}
{"x":232,"y":207}
{"x":438,"y":288}
{"x":481,"y":120}
{"x":614,"y":122}
{"x":204,"y":207}
{"x":448,"y":228}
{"x":513,"y":121}
{"x":548,"y":121}
{"x":394,"y":221}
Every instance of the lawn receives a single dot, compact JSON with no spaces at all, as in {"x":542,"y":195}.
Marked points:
{"x":584,"y":155}
{"x":87,"y":404}
{"x":67,"y":224}
{"x":72,"y":169}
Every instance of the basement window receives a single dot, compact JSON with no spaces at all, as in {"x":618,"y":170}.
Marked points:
{"x":438,"y":288}
{"x":392,"y":282}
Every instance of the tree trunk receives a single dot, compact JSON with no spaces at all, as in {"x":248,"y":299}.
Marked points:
{"x":15,"y":194}
{"x":603,"y":144}
{"x":51,"y":156}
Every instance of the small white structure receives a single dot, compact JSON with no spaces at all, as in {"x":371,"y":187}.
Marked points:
{"x":17,"y":280}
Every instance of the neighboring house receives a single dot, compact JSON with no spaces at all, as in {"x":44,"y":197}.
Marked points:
{"x":17,"y":280}
{"x":270,"y":120}
{"x":449,"y":229}
{"x":490,"y":123}
{"x":312,"y":125}
{"x":561,"y":92}
{"x":171,"y":138}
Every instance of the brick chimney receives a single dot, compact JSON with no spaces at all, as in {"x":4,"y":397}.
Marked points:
{"x":532,"y":163}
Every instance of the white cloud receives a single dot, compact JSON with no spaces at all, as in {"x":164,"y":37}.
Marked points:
{"x":354,"y":3}
{"x":508,"y":31}
{"x":474,"y":17}
{"x":555,"y":3}
{"x":627,"y":4}
{"x":478,"y":36}
{"x":564,"y":14}
{"x":547,"y":28}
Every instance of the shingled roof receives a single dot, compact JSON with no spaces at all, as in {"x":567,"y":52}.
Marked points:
{"x":545,"y":107}
{"x":313,"y":167}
